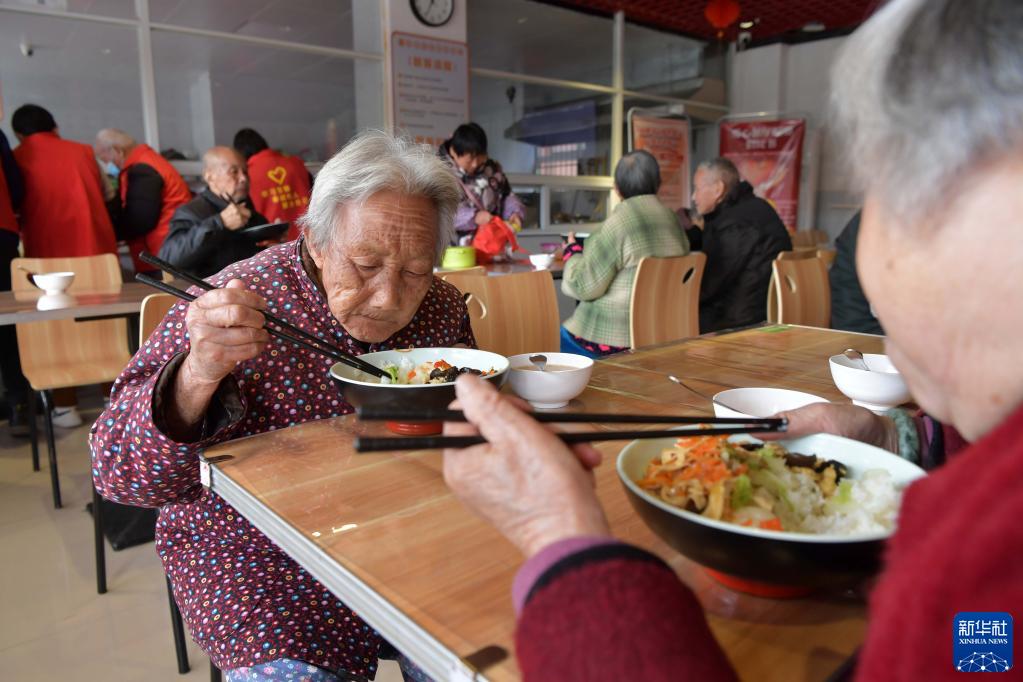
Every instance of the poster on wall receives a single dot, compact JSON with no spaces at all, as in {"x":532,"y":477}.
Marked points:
{"x":768,"y":155}
{"x":431,"y":86}
{"x":668,"y":140}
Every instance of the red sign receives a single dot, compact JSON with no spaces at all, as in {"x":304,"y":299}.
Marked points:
{"x":768,"y":155}
{"x":668,"y":140}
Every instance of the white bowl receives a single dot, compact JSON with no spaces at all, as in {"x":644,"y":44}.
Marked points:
{"x":541,"y":261}
{"x":54,"y":282}
{"x":879,"y":389}
{"x":554,"y":387}
{"x":761,"y":402}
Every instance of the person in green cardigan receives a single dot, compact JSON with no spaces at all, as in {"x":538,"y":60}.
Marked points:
{"x":600,"y":277}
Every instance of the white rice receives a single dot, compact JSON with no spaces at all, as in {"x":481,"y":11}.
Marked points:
{"x":872,"y":509}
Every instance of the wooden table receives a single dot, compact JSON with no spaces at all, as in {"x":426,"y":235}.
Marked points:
{"x":385,"y":535}
{"x":123,"y":301}
{"x":496,"y":269}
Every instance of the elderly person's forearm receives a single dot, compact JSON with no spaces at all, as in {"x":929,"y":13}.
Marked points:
{"x":187,"y":403}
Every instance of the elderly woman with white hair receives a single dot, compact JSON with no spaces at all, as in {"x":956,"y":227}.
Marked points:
{"x":362,"y":280}
{"x":929,"y":96}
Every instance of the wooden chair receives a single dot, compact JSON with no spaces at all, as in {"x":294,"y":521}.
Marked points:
{"x":474,"y":270}
{"x":809,"y":238}
{"x":828,"y":256}
{"x":802,"y":292}
{"x":154,"y":308}
{"x":772,"y":287}
{"x":665,"y":303}
{"x":512,"y":314}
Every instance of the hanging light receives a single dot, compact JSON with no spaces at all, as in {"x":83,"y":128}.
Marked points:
{"x":721,"y":14}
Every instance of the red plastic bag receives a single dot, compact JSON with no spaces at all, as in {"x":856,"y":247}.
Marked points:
{"x":491,"y":239}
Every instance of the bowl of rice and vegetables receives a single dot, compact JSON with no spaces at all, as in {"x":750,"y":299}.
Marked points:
{"x":776,"y":519}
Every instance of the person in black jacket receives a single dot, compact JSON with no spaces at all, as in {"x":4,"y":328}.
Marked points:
{"x":204,"y":237}
{"x":850,"y":310}
{"x":742,"y":234}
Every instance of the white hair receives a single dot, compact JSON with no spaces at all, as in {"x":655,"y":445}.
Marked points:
{"x":112,"y":138}
{"x":925,"y":92}
{"x":376,"y":161}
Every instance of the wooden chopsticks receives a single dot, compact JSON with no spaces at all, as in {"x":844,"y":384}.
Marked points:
{"x":719,"y":426}
{"x":296,"y":336}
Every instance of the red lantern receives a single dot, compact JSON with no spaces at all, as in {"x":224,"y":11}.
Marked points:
{"x":721,"y":14}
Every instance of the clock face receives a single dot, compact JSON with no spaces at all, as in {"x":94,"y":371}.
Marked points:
{"x":433,"y":12}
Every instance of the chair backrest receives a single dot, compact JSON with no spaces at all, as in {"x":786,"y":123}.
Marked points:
{"x":44,"y":344}
{"x":798,"y":253}
{"x":809,"y":238}
{"x":512,"y":314}
{"x":475,"y":270}
{"x":828,"y":256}
{"x":154,"y":309}
{"x":665,"y":304}
{"x":802,"y":291}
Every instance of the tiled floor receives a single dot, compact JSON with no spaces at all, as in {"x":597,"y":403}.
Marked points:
{"x":53,"y":625}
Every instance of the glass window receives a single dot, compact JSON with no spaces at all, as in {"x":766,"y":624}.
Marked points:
{"x":301,"y":103}
{"x":543,"y":130}
{"x":312,"y":22}
{"x":122,"y":9}
{"x":658,"y":62}
{"x":540,"y":40}
{"x":85,"y":73}
{"x":578,"y":206}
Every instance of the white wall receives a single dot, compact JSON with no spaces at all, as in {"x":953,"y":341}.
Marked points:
{"x":796,"y":79}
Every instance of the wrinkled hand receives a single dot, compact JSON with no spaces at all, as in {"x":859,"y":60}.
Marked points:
{"x":850,"y":421}
{"x":235,"y":216}
{"x":483,"y":217}
{"x":570,"y":239}
{"x":524,"y":480}
{"x":225,"y":327}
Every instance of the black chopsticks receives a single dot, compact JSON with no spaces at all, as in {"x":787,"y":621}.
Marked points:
{"x":388,"y":413}
{"x":720,"y":426}
{"x":295,"y":336}
{"x":436,"y":442}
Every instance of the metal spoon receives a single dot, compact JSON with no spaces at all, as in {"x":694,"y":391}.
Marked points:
{"x":29,"y":275}
{"x":713,"y":400}
{"x":856,"y":356}
{"x":540,"y":361}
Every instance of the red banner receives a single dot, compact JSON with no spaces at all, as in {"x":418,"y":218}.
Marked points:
{"x":768,"y":155}
{"x":668,"y":140}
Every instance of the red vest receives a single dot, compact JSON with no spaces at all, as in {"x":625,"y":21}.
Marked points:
{"x":175,"y":191}
{"x":279,"y":187}
{"x":7,"y":219}
{"x":63,"y":215}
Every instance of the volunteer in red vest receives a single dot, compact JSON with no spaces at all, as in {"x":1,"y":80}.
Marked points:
{"x":64,"y":213}
{"x":150,"y":188}
{"x":12,"y":190}
{"x":280,"y":185}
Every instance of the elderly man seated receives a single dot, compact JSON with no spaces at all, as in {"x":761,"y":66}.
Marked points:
{"x":204,"y":237}
{"x":601,"y":276}
{"x":742,"y":234}
{"x":362,"y":279}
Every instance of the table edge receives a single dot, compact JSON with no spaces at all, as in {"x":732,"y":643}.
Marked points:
{"x":426,"y":651}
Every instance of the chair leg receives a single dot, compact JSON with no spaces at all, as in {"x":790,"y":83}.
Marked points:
{"x":101,"y":552}
{"x":33,"y":428}
{"x":215,"y":675}
{"x":51,"y":447}
{"x":178,"y":627}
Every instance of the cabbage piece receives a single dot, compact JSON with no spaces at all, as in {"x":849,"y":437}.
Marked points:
{"x":742,"y":491}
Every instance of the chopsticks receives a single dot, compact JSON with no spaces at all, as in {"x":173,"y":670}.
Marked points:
{"x":720,"y":426}
{"x":387,"y":413}
{"x":436,"y":442}
{"x":295,"y":336}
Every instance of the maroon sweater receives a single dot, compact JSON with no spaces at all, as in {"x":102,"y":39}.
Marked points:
{"x":614,"y":612}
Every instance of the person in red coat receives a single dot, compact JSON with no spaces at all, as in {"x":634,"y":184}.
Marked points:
{"x":928,"y":94}
{"x":280,"y":184}
{"x":64,"y":211}
{"x":150,"y":191}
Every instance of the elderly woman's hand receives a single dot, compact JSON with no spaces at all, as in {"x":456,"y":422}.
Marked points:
{"x":225,"y":327}
{"x":524,"y":480}
{"x":850,"y":421}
